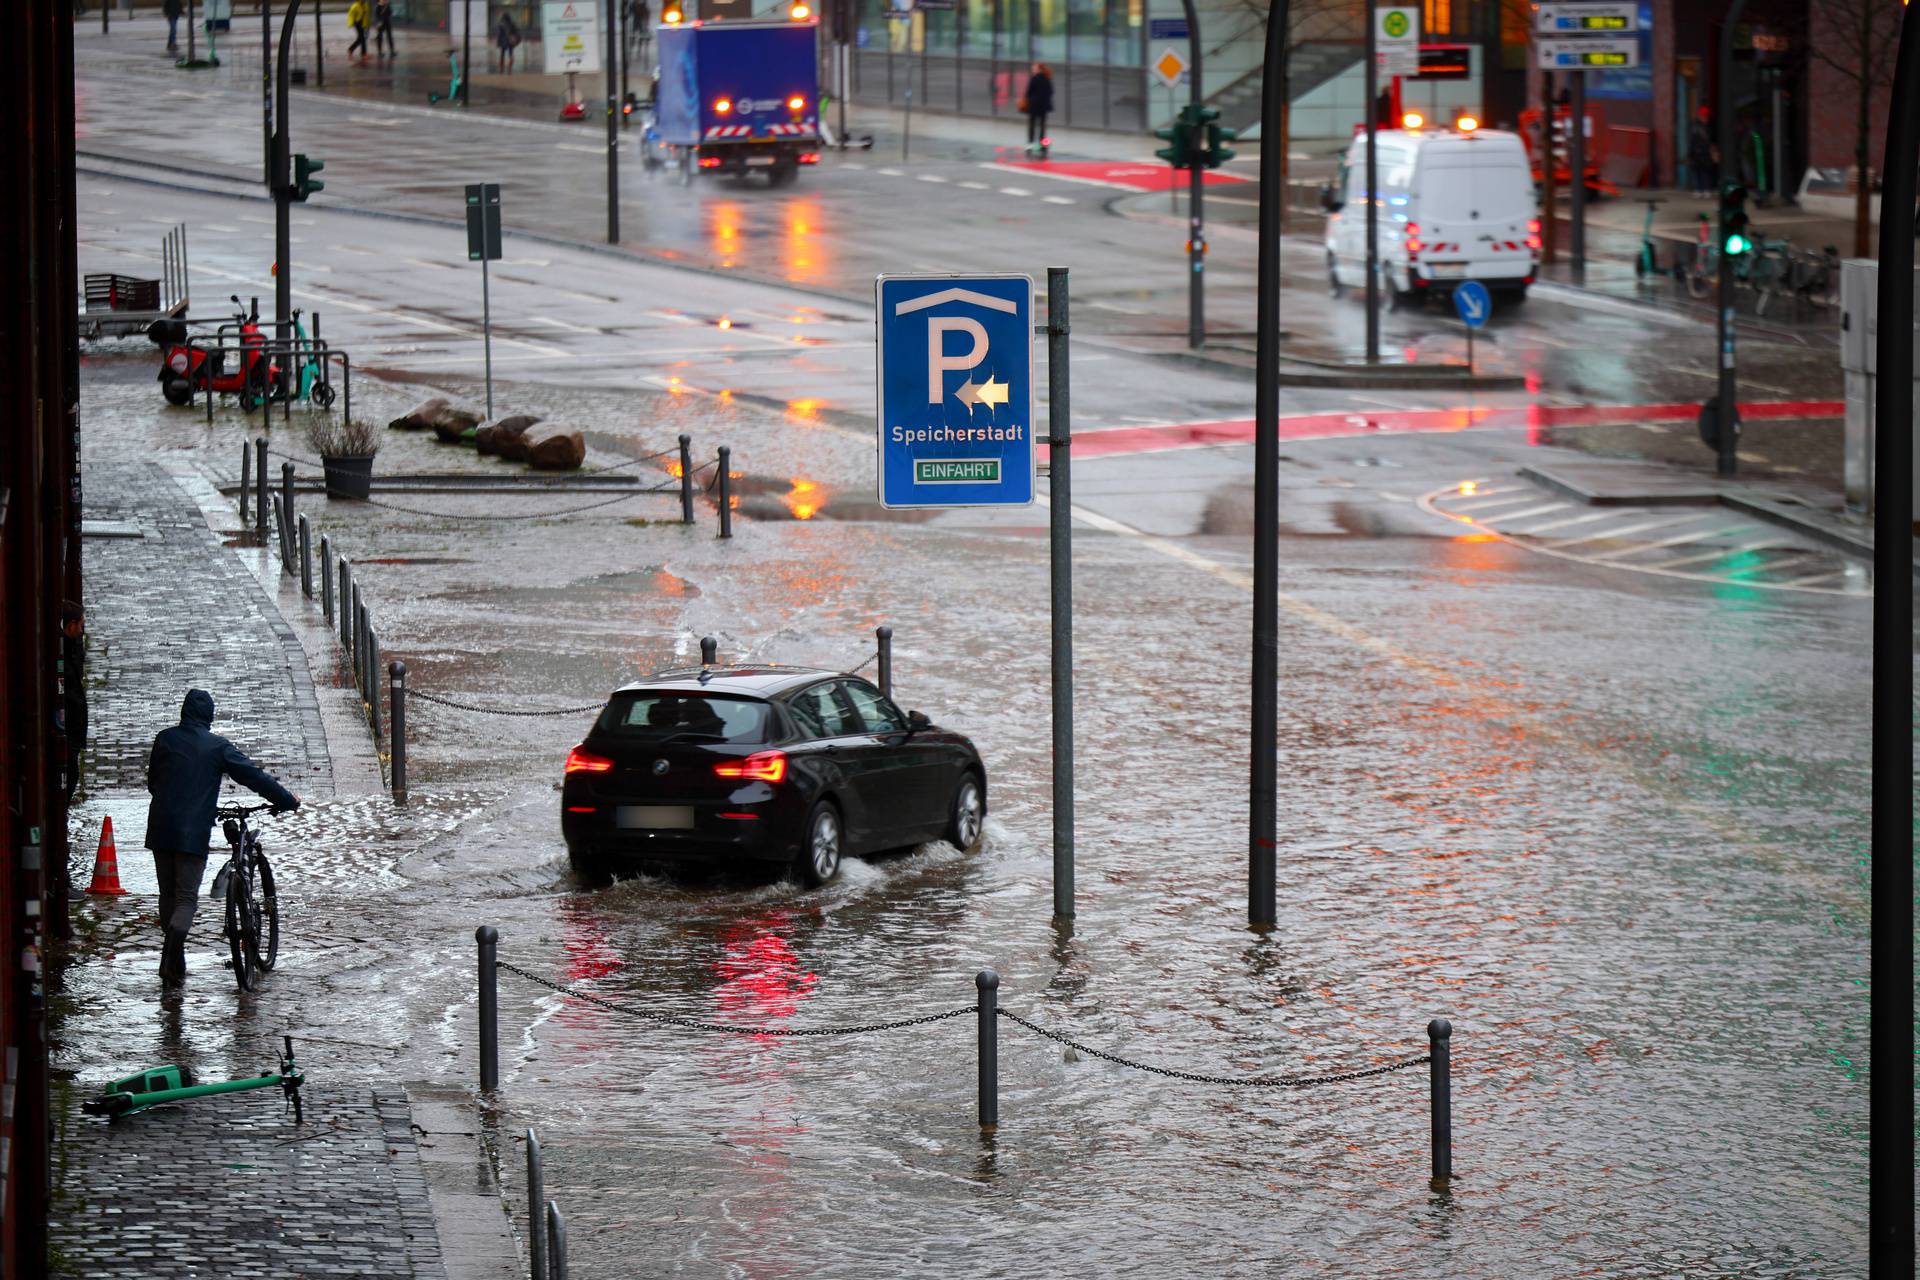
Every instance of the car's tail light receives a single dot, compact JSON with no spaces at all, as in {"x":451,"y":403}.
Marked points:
{"x":581,"y":760}
{"x":1413,"y":241}
{"x":761,"y":766}
{"x":1533,"y":234}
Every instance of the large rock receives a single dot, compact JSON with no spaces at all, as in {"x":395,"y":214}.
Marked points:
{"x":454,"y":421}
{"x":492,"y":436}
{"x":420,"y":417}
{"x":554,"y":446}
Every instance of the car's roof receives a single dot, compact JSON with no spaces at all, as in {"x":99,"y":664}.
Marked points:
{"x":764,"y":681}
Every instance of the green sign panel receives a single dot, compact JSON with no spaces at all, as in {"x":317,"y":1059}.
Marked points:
{"x":1395,"y":23}
{"x":956,"y":471}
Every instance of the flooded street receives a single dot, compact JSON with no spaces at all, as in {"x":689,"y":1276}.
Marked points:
{"x":1611,"y":825}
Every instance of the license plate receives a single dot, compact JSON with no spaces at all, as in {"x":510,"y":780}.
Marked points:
{"x":655,"y":817}
{"x":758,"y":160}
{"x":1448,"y":270}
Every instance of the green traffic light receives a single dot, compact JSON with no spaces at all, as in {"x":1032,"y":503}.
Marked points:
{"x":1738,"y":244}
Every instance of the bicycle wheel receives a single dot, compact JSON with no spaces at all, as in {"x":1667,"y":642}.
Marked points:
{"x":265,"y":937}
{"x":237,"y":930}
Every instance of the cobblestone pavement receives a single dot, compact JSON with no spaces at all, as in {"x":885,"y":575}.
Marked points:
{"x":171,"y":610}
{"x":229,"y":1187}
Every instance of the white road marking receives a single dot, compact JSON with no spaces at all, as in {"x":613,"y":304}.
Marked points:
{"x":1691,"y":535}
{"x":1058,"y":199}
{"x":1497,"y":502}
{"x":220,"y":227}
{"x":851,"y":164}
{"x":570,"y":326}
{"x":1643,"y":527}
{"x":1569,"y":522}
{"x":574,"y":146}
{"x":1015,"y":191}
{"x":971,"y":185}
{"x":428,"y":262}
{"x":377,"y":122}
{"x":526,"y":262}
{"x":890,"y":173}
{"x":349,"y":248}
{"x":930,"y":177}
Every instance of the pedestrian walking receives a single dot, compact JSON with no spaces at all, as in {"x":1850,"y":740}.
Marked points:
{"x":183,"y":776}
{"x":507,"y":37}
{"x":1702,"y":156}
{"x":383,"y":29}
{"x":357,"y":19}
{"x":173,"y":10}
{"x":1037,"y":102}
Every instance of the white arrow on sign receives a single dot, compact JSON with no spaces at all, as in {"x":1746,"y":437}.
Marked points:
{"x":1471,"y":307}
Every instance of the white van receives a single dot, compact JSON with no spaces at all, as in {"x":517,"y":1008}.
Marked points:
{"x":1454,"y":205}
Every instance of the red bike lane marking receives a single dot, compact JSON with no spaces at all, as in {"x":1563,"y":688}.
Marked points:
{"x":1127,"y":175}
{"x":1120,"y":441}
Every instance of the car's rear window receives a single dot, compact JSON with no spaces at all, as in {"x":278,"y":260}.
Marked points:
{"x":675,"y":716}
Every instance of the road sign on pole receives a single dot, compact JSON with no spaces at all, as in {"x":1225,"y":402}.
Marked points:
{"x":955,"y":373}
{"x":483,"y":242}
{"x":1587,"y":19}
{"x":1397,"y":40}
{"x":1587,"y":53}
{"x":1169,"y":68}
{"x":1473,"y":304}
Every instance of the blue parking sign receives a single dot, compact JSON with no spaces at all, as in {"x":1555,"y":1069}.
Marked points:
{"x":956,"y":390}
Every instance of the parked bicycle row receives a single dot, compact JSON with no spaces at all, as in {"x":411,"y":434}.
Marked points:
{"x":1771,"y":268}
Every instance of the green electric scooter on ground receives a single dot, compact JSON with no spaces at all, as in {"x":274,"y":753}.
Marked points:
{"x":157,"y":1085}
{"x":453,"y":85}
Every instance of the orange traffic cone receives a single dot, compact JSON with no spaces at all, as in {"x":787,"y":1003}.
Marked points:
{"x":106,"y":864}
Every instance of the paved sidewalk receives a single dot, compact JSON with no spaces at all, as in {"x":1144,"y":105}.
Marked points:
{"x":229,"y":1187}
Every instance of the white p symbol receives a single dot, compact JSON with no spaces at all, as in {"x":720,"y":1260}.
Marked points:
{"x":939,"y":362}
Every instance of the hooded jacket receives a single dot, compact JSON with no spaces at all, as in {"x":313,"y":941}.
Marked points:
{"x":184,"y":773}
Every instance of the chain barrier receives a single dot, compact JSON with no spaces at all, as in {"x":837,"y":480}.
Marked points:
{"x":694,"y":1024}
{"x":499,"y":711}
{"x":713,"y":481}
{"x":871,"y":659}
{"x":528,"y":515}
{"x":1256,"y":1082}
{"x":294,"y":457}
{"x":631,"y":462}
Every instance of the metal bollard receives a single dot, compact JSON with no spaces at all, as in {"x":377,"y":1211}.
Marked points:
{"x":374,"y":670}
{"x":356,"y":618}
{"x":286,"y":518}
{"x":346,"y":599}
{"x":246,"y":479}
{"x":883,"y":638}
{"x":1440,"y":1091}
{"x":397,"y":726}
{"x":726,"y":492}
{"x":306,"y":557}
{"x":489,"y":939}
{"x":260,"y":471}
{"x":326,"y":577}
{"x":988,"y":984}
{"x":536,"y":1193}
{"x":556,"y":1242}
{"x":273,"y":502}
{"x":686,"y":480}
{"x":709,"y":651}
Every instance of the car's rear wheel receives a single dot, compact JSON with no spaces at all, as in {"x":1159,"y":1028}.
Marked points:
{"x":589,"y":866}
{"x":966,"y":814}
{"x":819,"y":859}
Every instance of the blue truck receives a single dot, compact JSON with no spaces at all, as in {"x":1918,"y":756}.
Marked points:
{"x":734,"y":97}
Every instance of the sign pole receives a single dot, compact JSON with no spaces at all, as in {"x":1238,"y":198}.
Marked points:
{"x":483,"y":242}
{"x":1729,"y":386}
{"x":486,"y":330}
{"x":1577,"y":126}
{"x":1373,"y":184}
{"x":613,"y":132}
{"x":1196,"y":182}
{"x":1060,"y":529}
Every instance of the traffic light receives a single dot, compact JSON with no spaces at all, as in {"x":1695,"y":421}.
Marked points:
{"x":1217,"y":154}
{"x":1735,"y":239}
{"x":1179,"y":151}
{"x":303,"y":170}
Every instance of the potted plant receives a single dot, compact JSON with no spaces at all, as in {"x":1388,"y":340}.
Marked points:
{"x":346,"y":450}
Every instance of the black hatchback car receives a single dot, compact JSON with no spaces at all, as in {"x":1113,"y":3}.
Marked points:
{"x":780,"y":767}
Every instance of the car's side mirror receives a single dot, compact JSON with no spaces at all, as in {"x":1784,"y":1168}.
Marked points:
{"x":1330,"y":198}
{"x":916,"y":721}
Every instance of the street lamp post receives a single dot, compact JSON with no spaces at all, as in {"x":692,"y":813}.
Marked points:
{"x":613,"y":124}
{"x":1372,"y":57}
{"x":1728,"y":417}
{"x":280,"y":179}
{"x":1196,"y":182}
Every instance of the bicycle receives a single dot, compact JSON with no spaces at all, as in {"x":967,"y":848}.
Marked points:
{"x":1816,"y":277}
{"x":1768,"y":270}
{"x":246,"y":883}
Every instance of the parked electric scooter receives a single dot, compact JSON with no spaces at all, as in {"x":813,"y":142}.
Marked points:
{"x":188,"y":368}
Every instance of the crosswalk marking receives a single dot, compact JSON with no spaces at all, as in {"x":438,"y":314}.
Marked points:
{"x":1645,"y":526}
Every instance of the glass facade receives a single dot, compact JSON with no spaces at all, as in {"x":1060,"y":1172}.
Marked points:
{"x":974,"y":57}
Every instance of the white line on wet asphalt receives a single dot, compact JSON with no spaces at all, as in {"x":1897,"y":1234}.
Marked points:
{"x":890,"y":173}
{"x":1015,"y":191}
{"x":1691,"y":535}
{"x":1645,"y":526}
{"x":350,"y":248}
{"x":574,"y":146}
{"x":971,"y":185}
{"x":429,"y":263}
{"x":1058,"y":199}
{"x":570,"y":326}
{"x":931,"y":177}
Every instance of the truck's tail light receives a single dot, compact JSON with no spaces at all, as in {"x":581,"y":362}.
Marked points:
{"x":1413,"y":241}
{"x":709,"y":162}
{"x":796,"y":103}
{"x":761,"y":766}
{"x":721,"y":106}
{"x":581,"y":760}
{"x":809,"y":157}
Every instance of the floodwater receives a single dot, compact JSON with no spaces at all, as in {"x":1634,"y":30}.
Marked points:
{"x":1615,"y":830}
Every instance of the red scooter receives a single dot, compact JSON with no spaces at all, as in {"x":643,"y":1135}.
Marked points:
{"x":188,"y":369}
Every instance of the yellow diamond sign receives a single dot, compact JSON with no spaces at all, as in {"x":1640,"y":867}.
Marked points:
{"x":1170,"y":66}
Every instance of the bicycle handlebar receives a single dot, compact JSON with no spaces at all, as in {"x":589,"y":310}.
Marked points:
{"x":246,"y":810}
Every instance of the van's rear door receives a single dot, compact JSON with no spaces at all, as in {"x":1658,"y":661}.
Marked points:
{"x":1474,"y":205}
